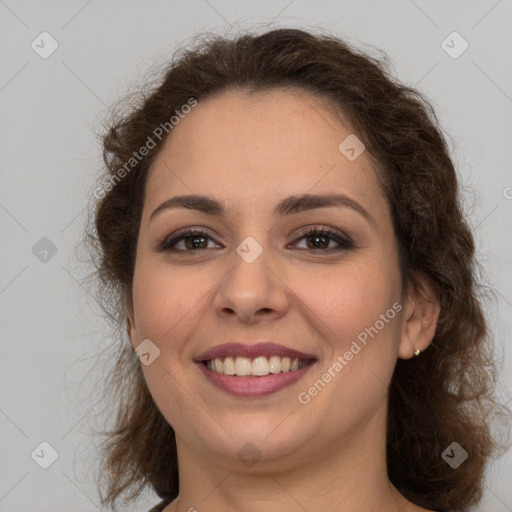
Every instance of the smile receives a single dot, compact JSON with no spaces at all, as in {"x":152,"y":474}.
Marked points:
{"x":260,"y":366}
{"x":253,"y":370}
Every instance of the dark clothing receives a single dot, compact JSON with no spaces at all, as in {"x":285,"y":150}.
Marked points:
{"x":159,"y":507}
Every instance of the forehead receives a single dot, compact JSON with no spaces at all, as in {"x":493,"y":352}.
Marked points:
{"x":244,"y":148}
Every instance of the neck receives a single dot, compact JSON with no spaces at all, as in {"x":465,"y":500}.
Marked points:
{"x":351,"y":476}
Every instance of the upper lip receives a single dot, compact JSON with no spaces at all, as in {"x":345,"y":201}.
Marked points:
{"x":251,"y":351}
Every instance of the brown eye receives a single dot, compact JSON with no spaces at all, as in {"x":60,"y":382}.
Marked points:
{"x":193,"y":240}
{"x":319,"y":239}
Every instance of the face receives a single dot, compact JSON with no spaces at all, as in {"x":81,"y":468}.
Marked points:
{"x":321,"y":279}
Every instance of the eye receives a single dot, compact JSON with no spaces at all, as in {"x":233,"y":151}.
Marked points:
{"x":318,"y":240}
{"x":190,"y":239}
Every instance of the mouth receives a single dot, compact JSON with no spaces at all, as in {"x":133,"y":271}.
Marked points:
{"x":259,"y":366}
{"x":253,"y":370}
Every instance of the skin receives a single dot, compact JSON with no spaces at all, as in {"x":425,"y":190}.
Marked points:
{"x":249,"y":152}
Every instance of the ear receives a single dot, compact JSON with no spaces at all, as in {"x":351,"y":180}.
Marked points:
{"x":419,"y":321}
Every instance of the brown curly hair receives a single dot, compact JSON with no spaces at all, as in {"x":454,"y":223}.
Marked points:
{"x":445,"y":395}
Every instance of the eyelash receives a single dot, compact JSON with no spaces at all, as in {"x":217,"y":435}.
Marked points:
{"x":344,"y":242}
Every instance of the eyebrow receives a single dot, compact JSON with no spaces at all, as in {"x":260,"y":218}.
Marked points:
{"x":288,"y":206}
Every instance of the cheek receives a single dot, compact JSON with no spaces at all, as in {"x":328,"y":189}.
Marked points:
{"x":349,"y":298}
{"x":166,"y":300}
{"x":358,"y":309}
{"x":359,"y":318}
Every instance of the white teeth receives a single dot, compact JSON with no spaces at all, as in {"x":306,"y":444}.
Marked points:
{"x":242,"y":366}
{"x":274,"y":364}
{"x":260,"y":366}
{"x":229,"y":366}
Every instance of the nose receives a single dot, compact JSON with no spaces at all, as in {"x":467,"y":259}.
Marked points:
{"x":252,"y":292}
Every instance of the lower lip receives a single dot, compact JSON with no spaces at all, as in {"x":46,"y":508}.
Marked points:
{"x":254,"y":386}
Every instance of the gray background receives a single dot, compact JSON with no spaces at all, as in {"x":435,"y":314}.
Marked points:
{"x":52,"y":334}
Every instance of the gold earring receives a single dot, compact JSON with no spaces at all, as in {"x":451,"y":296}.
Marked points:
{"x":417,"y":352}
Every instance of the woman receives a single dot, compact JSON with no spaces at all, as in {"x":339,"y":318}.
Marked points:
{"x":280,"y":232}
